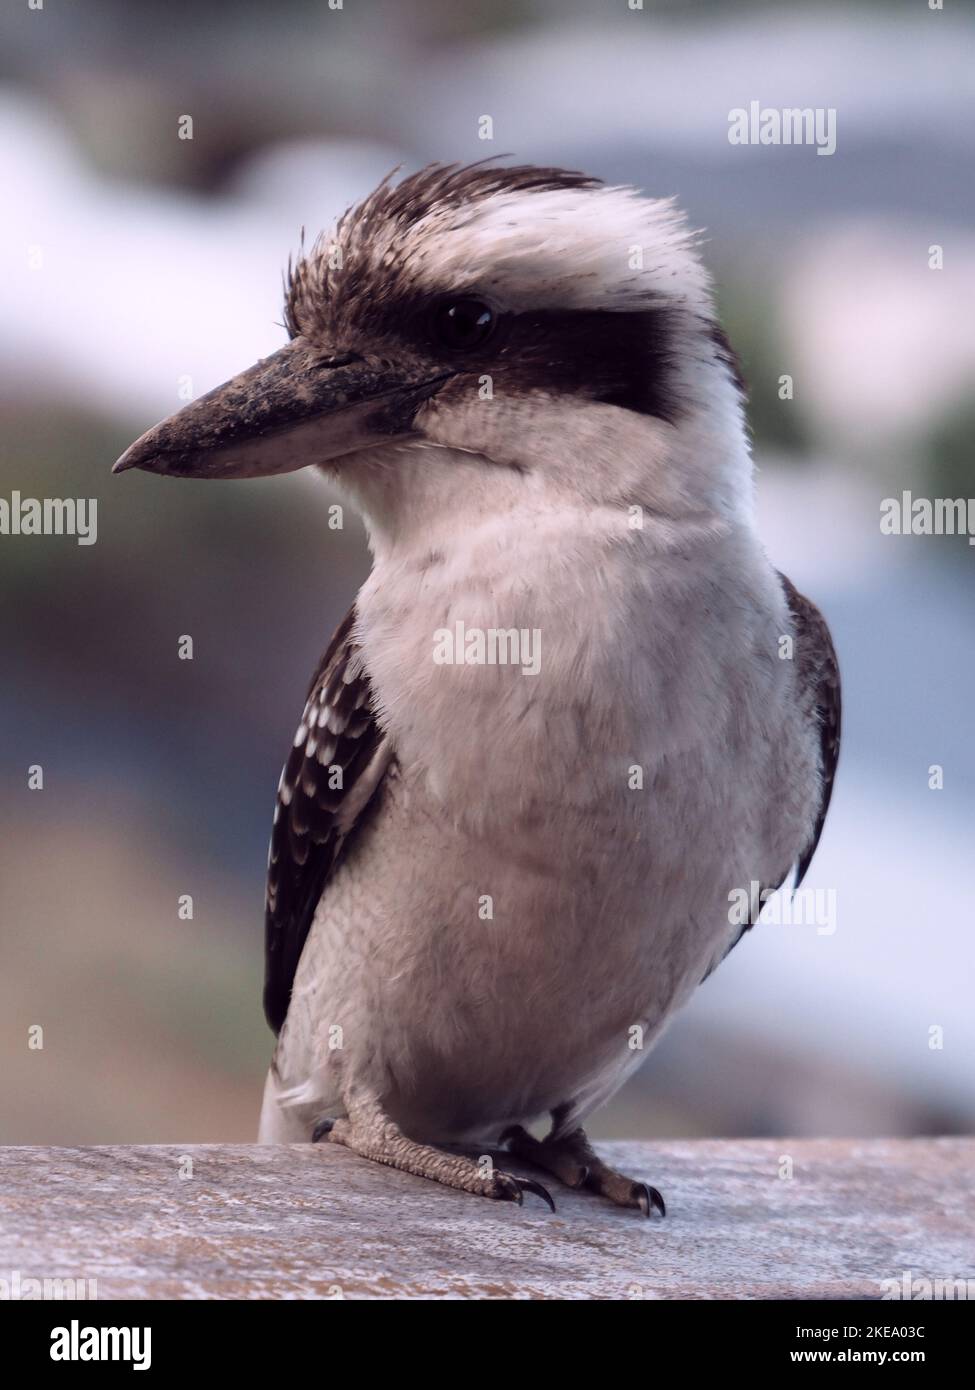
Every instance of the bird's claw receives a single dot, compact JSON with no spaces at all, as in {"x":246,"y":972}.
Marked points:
{"x":512,"y":1189}
{"x":647,"y":1198}
{"x":530,"y":1185}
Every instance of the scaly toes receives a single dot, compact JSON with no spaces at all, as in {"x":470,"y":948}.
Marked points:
{"x":554,"y":1158}
{"x":411,"y":1157}
{"x":624,"y":1192}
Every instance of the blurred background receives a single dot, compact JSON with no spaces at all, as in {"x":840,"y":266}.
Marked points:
{"x":140,"y":269}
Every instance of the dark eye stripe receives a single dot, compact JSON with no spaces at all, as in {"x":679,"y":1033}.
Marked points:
{"x":618,"y":358}
{"x":623,"y":359}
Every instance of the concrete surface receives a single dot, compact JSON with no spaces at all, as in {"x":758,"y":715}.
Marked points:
{"x":242,"y":1221}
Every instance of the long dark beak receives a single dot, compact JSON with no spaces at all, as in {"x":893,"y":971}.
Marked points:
{"x":294,"y":408}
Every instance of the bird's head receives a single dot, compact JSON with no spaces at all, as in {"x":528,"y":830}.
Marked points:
{"x":471,"y":335}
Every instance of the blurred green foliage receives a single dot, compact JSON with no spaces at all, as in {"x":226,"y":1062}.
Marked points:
{"x":951,"y":451}
{"x":749,"y":319}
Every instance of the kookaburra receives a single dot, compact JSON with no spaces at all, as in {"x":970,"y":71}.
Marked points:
{"x":492,"y":882}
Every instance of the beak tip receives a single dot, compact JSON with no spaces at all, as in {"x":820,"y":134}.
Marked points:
{"x":135,"y":456}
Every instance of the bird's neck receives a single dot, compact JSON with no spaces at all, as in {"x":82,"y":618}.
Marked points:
{"x":512,"y":651}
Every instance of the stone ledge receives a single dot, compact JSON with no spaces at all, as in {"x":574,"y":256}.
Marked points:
{"x":305,"y":1221}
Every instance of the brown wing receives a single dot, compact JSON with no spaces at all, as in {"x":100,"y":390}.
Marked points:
{"x":819,"y":683}
{"x":337,"y":762}
{"x":819,"y":691}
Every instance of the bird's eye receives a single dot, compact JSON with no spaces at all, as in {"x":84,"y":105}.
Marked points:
{"x":460,"y":324}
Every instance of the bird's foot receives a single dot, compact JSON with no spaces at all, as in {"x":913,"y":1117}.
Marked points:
{"x":370,"y":1132}
{"x":572,"y":1159}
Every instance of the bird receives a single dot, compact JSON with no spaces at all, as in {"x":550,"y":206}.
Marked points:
{"x":573,"y":710}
